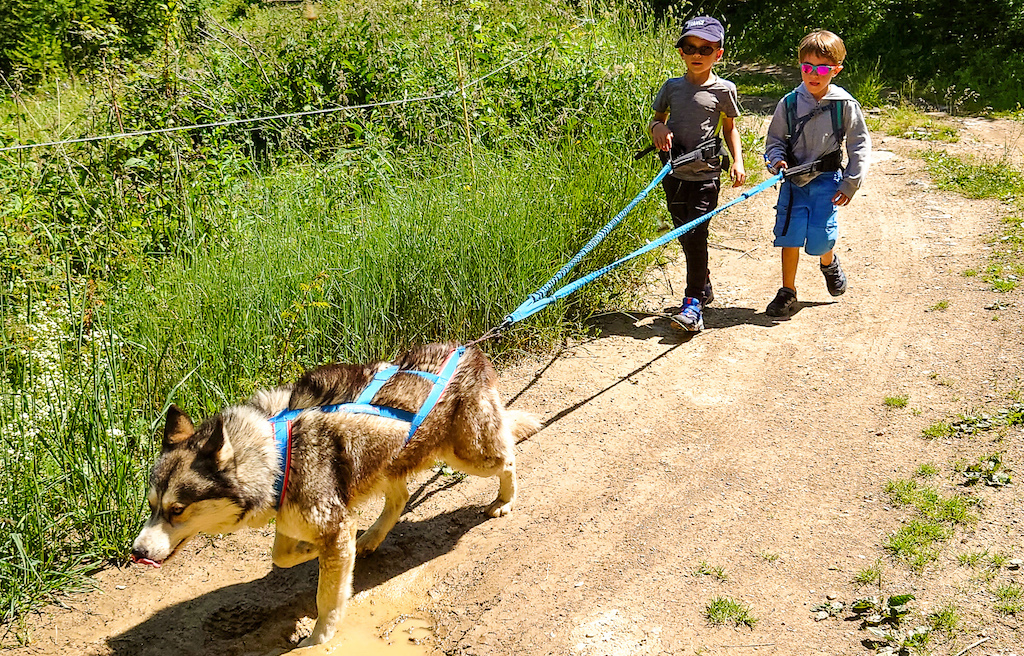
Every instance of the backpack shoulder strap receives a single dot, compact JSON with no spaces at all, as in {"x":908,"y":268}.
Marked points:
{"x":791,"y":118}
{"x":837,"y":109}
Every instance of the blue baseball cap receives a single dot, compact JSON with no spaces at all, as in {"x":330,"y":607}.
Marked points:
{"x":703,"y":27}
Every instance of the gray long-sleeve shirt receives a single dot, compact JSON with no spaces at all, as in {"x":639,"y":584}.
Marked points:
{"x":817,"y":138}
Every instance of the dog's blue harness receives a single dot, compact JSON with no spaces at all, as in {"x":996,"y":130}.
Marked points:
{"x":282,"y":421}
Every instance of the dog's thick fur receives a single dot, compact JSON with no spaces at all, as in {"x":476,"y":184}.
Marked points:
{"x":219,"y":477}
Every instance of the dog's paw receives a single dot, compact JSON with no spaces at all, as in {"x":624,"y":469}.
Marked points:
{"x":499,"y":508}
{"x":319,"y":636}
{"x":303,"y":632}
{"x":366,"y":544}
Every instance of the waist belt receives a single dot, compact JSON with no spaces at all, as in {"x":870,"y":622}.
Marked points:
{"x":825,"y":164}
{"x":704,"y":151}
{"x":282,"y":421}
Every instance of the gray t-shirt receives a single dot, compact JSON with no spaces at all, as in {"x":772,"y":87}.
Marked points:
{"x":694,"y":113}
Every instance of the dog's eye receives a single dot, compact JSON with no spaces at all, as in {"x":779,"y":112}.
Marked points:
{"x":175,"y":510}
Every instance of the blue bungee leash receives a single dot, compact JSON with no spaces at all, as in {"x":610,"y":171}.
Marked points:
{"x":541,"y":298}
{"x":594,"y":241}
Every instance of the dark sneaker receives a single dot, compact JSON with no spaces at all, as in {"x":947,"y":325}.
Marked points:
{"x":690,"y":316}
{"x":784,"y":303}
{"x":709,"y":294}
{"x":835,"y":279}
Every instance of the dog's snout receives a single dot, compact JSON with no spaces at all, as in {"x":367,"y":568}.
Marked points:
{"x":141,"y":558}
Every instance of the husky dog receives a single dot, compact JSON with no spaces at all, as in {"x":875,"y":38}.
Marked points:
{"x":225,"y":474}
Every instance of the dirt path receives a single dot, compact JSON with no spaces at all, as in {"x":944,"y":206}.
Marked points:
{"x":756,"y":447}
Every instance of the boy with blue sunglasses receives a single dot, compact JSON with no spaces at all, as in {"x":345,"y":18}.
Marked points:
{"x":693,"y":115}
{"x":806,"y":136}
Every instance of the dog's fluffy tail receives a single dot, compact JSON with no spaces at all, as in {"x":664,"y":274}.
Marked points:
{"x":522,"y":424}
{"x":272,"y":401}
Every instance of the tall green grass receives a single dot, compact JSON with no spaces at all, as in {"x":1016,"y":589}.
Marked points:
{"x":296,"y":281}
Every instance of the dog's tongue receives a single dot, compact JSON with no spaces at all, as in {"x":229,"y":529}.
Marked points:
{"x":145,"y":561}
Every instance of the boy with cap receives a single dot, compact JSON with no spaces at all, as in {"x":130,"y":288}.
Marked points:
{"x":806,"y":136}
{"x":693,"y":114}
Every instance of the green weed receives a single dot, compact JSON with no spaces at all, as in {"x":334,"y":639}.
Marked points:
{"x":716,"y":572}
{"x":930,"y":503}
{"x":723,"y":610}
{"x":998,"y":559}
{"x":916,"y":542}
{"x":875,"y":611}
{"x":939,"y":307}
{"x":946,"y":619}
{"x":896,"y":401}
{"x":972,"y":559}
{"x":988,"y":470}
{"x":926,"y":470}
{"x":1009,"y":599}
{"x":870,"y":575}
{"x":937,"y":430}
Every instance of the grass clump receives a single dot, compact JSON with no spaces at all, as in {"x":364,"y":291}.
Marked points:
{"x":723,"y":610}
{"x":1009,"y":599}
{"x":916,"y":542}
{"x":870,"y":575}
{"x":899,"y":401}
{"x":972,"y":558}
{"x":926,"y":470}
{"x":937,"y":430}
{"x":716,"y":571}
{"x":946,"y":619}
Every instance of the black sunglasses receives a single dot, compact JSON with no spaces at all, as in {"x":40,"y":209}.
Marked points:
{"x":690,"y":49}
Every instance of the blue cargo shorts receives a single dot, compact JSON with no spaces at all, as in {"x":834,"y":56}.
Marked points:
{"x":805,"y":216}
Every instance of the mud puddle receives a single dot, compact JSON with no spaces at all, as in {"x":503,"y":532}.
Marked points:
{"x":379,"y":625}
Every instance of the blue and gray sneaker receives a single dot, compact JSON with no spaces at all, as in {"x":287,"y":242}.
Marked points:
{"x":690,"y":316}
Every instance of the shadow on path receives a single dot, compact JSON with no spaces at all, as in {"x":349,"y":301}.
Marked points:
{"x":260,"y":615}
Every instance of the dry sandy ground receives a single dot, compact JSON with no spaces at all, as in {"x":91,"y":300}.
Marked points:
{"x":757,"y":449}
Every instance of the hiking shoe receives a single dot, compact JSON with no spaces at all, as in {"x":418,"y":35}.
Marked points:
{"x":690,"y":316}
{"x":784,"y":303}
{"x":835,"y":279}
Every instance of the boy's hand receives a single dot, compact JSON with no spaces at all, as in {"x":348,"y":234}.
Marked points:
{"x":661,"y":136}
{"x":776,"y":167}
{"x":738,"y":173}
{"x":840,"y":199}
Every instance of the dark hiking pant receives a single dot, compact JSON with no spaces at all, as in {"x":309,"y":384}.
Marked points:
{"x":688,"y":200}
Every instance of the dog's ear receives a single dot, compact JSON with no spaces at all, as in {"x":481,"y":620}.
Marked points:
{"x":178,"y":427}
{"x":217,"y":446}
